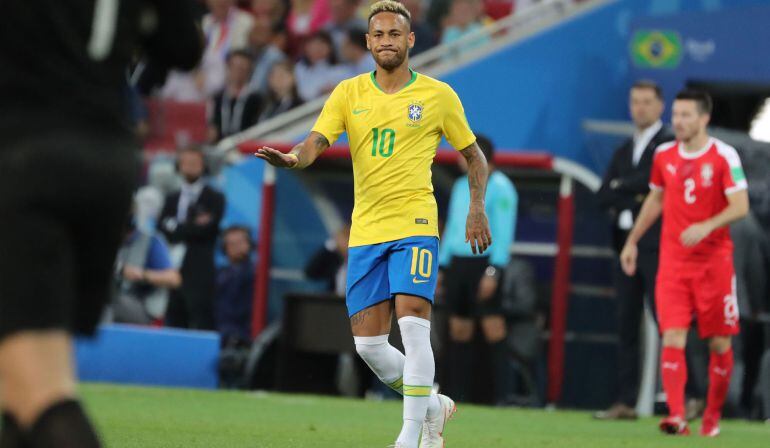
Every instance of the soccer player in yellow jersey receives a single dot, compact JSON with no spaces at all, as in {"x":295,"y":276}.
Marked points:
{"x":395,"y":119}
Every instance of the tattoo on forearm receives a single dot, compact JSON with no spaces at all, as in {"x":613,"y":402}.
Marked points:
{"x":477,"y":172}
{"x":307,"y":153}
{"x":321,"y":143}
{"x":359,"y":318}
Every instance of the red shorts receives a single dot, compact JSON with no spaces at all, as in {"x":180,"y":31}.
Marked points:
{"x":705,"y":291}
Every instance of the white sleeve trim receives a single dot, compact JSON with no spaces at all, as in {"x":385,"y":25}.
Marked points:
{"x":729,"y":154}
{"x":742,"y":185}
{"x":655,"y":187}
{"x":665,"y":146}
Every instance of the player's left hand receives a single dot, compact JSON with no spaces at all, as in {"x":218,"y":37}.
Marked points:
{"x":695,"y":234}
{"x":477,"y":231}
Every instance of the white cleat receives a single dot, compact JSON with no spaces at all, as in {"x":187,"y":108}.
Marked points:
{"x":433,"y":428}
{"x":397,"y":445}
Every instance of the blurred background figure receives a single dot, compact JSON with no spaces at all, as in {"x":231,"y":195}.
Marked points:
{"x":424,"y":33}
{"x":235,"y":288}
{"x":465,"y":17}
{"x":236,"y":107}
{"x":306,"y":17}
{"x":471,"y":283}
{"x":317,"y":72}
{"x":144,"y":276}
{"x":330,"y":262}
{"x":623,"y":190}
{"x":344,"y":18}
{"x":232,"y":310}
{"x":264,"y":52}
{"x":273,"y":10}
{"x":190,"y":222}
{"x":355,"y":54}
{"x":282,"y":92}
{"x":226,"y":29}
{"x":752,"y":268}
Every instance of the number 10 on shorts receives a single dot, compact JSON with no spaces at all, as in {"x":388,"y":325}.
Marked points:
{"x":422,"y":261}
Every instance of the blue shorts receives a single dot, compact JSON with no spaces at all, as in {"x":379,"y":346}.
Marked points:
{"x":378,"y":272}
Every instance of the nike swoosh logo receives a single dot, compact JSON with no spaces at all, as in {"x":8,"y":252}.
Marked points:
{"x":360,"y":111}
{"x":414,"y":280}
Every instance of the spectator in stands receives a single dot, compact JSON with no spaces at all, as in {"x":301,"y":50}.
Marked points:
{"x":622,"y":192}
{"x":306,"y":17}
{"x":471,"y":282}
{"x":274,"y":10}
{"x":424,"y":34}
{"x":226,"y":28}
{"x":355,"y":54}
{"x":438,"y":11}
{"x":465,"y":17}
{"x":236,"y":107}
{"x":281,"y":38}
{"x":344,"y":18}
{"x":235,"y":288}
{"x":266,"y":54}
{"x":184,"y":86}
{"x":190,"y":221}
{"x":317,"y":72}
{"x":330,"y":262}
{"x":144,"y":274}
{"x":282,"y":93}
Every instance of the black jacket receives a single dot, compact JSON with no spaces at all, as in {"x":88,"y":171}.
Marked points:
{"x":198,"y":272}
{"x":631,"y":189}
{"x":324,"y":266}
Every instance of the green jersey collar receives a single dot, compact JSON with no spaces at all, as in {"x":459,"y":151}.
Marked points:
{"x":411,"y":81}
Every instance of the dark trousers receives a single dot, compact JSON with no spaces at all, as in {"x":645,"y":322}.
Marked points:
{"x":190,"y":308}
{"x":631,"y":293}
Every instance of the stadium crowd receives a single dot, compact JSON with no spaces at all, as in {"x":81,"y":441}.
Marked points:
{"x":265,"y":57}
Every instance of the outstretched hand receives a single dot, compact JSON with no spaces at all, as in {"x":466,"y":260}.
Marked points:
{"x":277,"y":158}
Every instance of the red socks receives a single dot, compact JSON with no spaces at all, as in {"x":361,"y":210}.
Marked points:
{"x":674,"y":373}
{"x":720,"y":370}
{"x":673,"y":368}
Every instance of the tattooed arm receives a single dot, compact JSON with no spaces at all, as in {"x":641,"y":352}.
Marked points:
{"x":477,"y":225}
{"x":301,"y":156}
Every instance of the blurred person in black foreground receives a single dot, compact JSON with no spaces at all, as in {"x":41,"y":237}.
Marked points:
{"x":68,"y":165}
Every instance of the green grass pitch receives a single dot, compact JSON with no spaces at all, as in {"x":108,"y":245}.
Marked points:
{"x":155,"y":417}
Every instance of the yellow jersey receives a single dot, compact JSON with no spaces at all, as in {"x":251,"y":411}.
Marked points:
{"x":393,"y":140}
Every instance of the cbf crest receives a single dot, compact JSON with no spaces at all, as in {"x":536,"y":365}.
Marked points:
{"x":414,"y":111}
{"x":706,"y":174}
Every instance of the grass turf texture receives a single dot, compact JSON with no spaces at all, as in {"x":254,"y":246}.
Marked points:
{"x":155,"y":417}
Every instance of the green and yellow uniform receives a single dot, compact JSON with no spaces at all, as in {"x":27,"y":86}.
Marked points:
{"x":393,"y":140}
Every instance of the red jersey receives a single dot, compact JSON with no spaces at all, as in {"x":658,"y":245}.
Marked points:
{"x":695,"y":188}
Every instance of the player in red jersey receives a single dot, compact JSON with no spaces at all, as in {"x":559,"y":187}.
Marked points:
{"x":698,"y":184}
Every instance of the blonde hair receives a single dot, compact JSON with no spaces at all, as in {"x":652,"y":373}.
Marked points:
{"x":390,"y":6}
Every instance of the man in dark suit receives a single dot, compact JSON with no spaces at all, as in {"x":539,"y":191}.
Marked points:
{"x":190,"y":221}
{"x":623,"y":190}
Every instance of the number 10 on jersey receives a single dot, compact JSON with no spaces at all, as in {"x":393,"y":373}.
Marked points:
{"x":383,"y":141}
